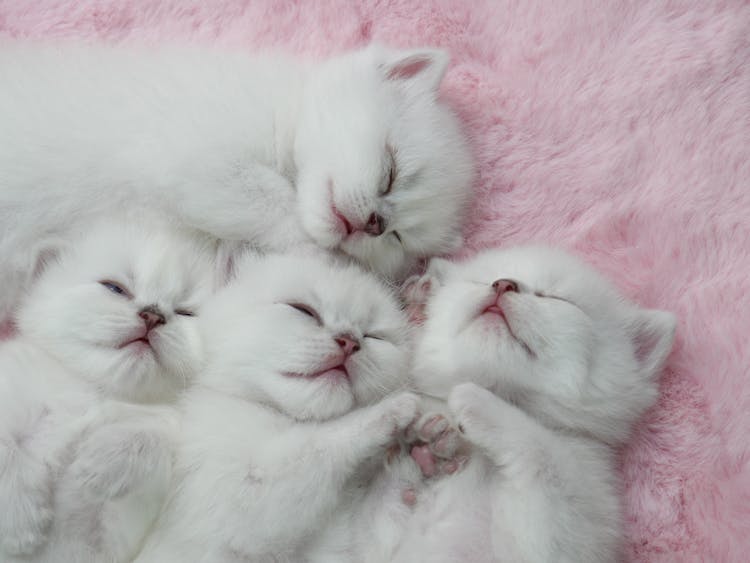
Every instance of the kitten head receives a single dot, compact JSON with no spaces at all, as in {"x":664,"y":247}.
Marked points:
{"x":546,"y":332}
{"x":306,"y":335}
{"x":117,"y":307}
{"x":383,"y":170}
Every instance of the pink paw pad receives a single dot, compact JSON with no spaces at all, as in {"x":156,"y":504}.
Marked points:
{"x":425,"y":460}
{"x":409,"y":497}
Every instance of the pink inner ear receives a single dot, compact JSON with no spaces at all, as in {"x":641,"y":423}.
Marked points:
{"x":408,"y":68}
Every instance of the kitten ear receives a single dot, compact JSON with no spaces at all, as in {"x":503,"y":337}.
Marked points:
{"x":422,"y":67}
{"x":227,"y":255}
{"x":652,"y":334}
{"x":43,"y":253}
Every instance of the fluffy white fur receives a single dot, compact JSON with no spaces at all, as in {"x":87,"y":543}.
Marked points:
{"x":85,"y":426}
{"x":274,"y":434}
{"x":267,"y":149}
{"x":542,"y":394}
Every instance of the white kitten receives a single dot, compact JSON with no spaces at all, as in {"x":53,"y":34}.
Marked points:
{"x":545,"y":369}
{"x":284,"y":422}
{"x":106,"y":339}
{"x":219,"y":140}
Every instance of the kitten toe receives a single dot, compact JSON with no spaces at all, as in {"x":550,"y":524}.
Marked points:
{"x":447,"y":444}
{"x":431,"y":427}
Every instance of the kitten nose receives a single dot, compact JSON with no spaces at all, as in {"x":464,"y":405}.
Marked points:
{"x":348,"y":343}
{"x":375,"y":225}
{"x":501,"y":286}
{"x":152,"y":317}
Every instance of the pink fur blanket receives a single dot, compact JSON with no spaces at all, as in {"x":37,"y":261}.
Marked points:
{"x":618,"y":129}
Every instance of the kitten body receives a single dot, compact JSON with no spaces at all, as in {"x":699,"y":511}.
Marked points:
{"x":295,"y":408}
{"x":266,"y":149}
{"x":86,"y":430}
{"x":545,"y":369}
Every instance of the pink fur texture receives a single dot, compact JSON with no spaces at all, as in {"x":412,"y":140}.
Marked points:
{"x":618,"y":129}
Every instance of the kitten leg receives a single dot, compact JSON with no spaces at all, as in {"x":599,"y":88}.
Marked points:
{"x":26,"y":499}
{"x":415,"y":293}
{"x":502,"y":430}
{"x":554,"y":497}
{"x":252,"y":203}
{"x":115,"y":459}
{"x":308,"y":469}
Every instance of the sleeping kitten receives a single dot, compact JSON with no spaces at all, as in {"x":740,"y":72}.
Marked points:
{"x":545,"y":369}
{"x":285,"y":421}
{"x":106,"y":340}
{"x":354,"y":152}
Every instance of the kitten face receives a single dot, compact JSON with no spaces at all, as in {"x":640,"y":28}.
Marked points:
{"x":119,"y":308}
{"x":306,"y":335}
{"x":383,"y":170}
{"x":545,"y":331}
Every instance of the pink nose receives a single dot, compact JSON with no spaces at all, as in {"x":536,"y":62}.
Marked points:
{"x":151,"y":317}
{"x":501,"y":286}
{"x":375,"y":225}
{"x":348,"y":343}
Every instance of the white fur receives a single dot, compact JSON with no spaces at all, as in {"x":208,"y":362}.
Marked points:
{"x":219,"y":140}
{"x":85,"y":427}
{"x":266,"y":452}
{"x":542,"y":401}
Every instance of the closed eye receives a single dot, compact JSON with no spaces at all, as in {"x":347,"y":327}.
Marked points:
{"x":116,"y":288}
{"x":307,"y":310}
{"x":375,"y":336}
{"x":391,"y":171}
{"x":184,"y":312}
{"x":398,"y":236}
{"x":548,"y":296}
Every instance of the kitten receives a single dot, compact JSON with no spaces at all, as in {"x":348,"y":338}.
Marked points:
{"x":287,"y":418}
{"x":106,"y":340}
{"x":355,"y":153}
{"x":545,"y":369}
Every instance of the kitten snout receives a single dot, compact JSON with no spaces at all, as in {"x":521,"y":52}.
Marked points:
{"x":347,"y":343}
{"x":376,"y":225}
{"x":503,"y":285}
{"x":152,"y":317}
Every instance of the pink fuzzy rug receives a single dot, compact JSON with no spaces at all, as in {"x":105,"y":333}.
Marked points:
{"x":619,"y":129}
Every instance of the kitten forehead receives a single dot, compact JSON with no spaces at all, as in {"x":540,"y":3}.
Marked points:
{"x":157,"y":259}
{"x":344,"y":290}
{"x":538,"y":265}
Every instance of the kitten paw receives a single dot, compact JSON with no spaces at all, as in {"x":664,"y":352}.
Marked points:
{"x":440,"y":435}
{"x":395,"y":414}
{"x":436,"y":445}
{"x":474,"y":409}
{"x":415,"y":293}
